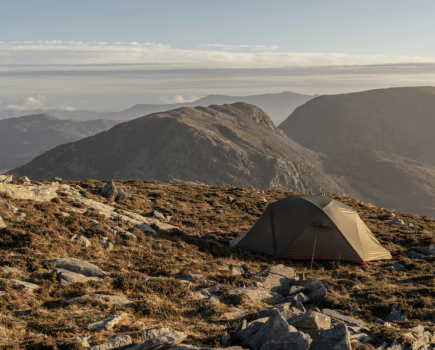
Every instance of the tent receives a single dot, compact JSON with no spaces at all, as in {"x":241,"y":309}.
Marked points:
{"x":312,"y":227}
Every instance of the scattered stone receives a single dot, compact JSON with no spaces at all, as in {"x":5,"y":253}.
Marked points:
{"x":300,"y":297}
{"x":237,"y":270}
{"x":158,"y":215}
{"x":110,"y":230}
{"x":10,"y":207}
{"x":119,"y":342}
{"x":82,"y":240}
{"x":56,"y":179}
{"x":68,"y":277}
{"x":348,"y":320}
{"x":107,"y":323}
{"x":247,"y":331}
{"x":93,"y":222}
{"x":395,"y":314}
{"x":415,"y":255}
{"x":276,"y":278}
{"x":23,"y":180}
{"x":9,"y":269}
{"x":226,"y":340}
{"x":293,"y":341}
{"x":298,"y":305}
{"x":312,"y":323}
{"x":354,"y":310}
{"x":35,"y":193}
{"x":430,"y":249}
{"x":114,"y":299}
{"x":161,"y":343}
{"x":275,"y":327}
{"x":230,"y":199}
{"x":109,"y":190}
{"x":2,"y":293}
{"x":83,"y":341}
{"x":27,"y":286}
{"x":187,"y":276}
{"x":207,"y":294}
{"x":396,"y":267}
{"x":397,"y":221}
{"x":150,"y":278}
{"x":316,"y":291}
{"x":285,"y":309}
{"x":235,"y":313}
{"x":154,"y":333}
{"x":2,"y":223}
{"x":296,"y":289}
{"x":106,"y":244}
{"x":257,"y":294}
{"x":76,"y":265}
{"x":337,"y":338}
{"x":410,"y":224}
{"x":264,"y":200}
{"x":121,"y":196}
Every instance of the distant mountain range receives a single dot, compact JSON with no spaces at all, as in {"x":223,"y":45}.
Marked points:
{"x":277,"y":106}
{"x":24,"y":138}
{"x":382,"y":141}
{"x":235,"y":145}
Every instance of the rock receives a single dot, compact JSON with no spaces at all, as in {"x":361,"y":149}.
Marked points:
{"x":150,"y":278}
{"x":56,"y":179}
{"x":2,"y":223}
{"x":430,"y":249}
{"x":251,"y":328}
{"x":119,"y":342}
{"x":67,"y":277}
{"x":27,"y":286}
{"x":282,"y":308}
{"x":161,"y":343}
{"x":397,"y":221}
{"x":274,"y":328}
{"x":110,"y":230}
{"x":337,"y":338}
{"x":415,"y":255}
{"x":302,"y":298}
{"x":110,"y":190}
{"x":395,"y":314}
{"x":107,"y":323}
{"x":237,"y":270}
{"x":2,"y":293}
{"x":8,"y":269}
{"x":10,"y":207}
{"x":36,"y":193}
{"x":93,"y":222}
{"x":185,"y":347}
{"x":83,"y":341}
{"x":230,"y":199}
{"x":76,"y":265}
{"x":154,"y":333}
{"x":293,"y":341}
{"x":207,"y":294}
{"x":228,"y":348}
{"x":354,"y":310}
{"x":114,"y":299}
{"x":158,"y":215}
{"x":410,"y":224}
{"x":121,"y":196}
{"x":6,"y":178}
{"x":297,"y":289}
{"x":163,"y":226}
{"x":312,"y":323}
{"x":226,"y":340}
{"x":187,"y":276}
{"x":396,"y":267}
{"x":257,"y":294}
{"x":298,"y":305}
{"x":276,"y":278}
{"x":235,"y":313}
{"x":82,"y":240}
{"x":350,"y":321}
{"x":23,"y":180}
{"x":316,"y":291}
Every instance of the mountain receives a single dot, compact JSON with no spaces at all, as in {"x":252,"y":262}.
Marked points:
{"x":381,"y":141}
{"x":235,"y":145}
{"x":59,"y":113}
{"x":24,"y":138}
{"x":277,"y":106}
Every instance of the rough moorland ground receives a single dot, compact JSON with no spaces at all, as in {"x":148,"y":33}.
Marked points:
{"x":206,"y":221}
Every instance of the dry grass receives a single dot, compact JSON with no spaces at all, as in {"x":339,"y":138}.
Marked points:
{"x":42,"y":320}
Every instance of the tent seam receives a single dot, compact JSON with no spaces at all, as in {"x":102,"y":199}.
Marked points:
{"x":359,"y":237}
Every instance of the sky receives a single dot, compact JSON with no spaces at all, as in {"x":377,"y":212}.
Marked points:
{"x":109,"y":55}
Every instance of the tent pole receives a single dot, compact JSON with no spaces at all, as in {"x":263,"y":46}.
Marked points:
{"x":314,"y":248}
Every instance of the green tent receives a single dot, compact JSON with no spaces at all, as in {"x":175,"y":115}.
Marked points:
{"x":312,"y":227}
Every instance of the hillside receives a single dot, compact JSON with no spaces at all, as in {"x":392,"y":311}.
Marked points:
{"x":235,"y":145}
{"x":277,"y":106}
{"x":381,"y":141}
{"x":161,"y":280}
{"x":24,"y":138}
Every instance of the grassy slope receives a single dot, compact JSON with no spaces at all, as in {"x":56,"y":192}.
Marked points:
{"x":46,"y":234}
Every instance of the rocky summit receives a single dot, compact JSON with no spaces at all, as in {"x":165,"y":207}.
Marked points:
{"x":87,"y":268}
{"x":236,"y":145}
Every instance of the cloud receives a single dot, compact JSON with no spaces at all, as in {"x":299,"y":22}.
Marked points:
{"x":30,"y":103}
{"x":178,"y":99}
{"x":234,"y":47}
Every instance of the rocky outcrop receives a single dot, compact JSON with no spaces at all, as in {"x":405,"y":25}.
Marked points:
{"x":41,"y":193}
{"x":76,"y":265}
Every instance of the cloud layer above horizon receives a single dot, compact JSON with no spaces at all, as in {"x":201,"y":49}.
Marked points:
{"x":89,"y":74}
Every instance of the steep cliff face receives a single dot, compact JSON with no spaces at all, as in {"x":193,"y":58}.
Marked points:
{"x":24,"y":138}
{"x":235,"y":145}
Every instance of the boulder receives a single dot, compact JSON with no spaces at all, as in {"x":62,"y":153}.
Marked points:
{"x":109,"y":190}
{"x":251,"y":328}
{"x":415,"y":255}
{"x":396,"y":267}
{"x":312,"y":323}
{"x":83,"y":341}
{"x":235,"y":313}
{"x":158,"y":215}
{"x":67,"y":277}
{"x":9,"y":269}
{"x":93,"y":222}
{"x":275,"y":327}
{"x":348,"y":320}
{"x":337,"y":338}
{"x":6,"y":178}
{"x":297,"y":289}
{"x":293,"y":341}
{"x":107,"y":323}
{"x":27,"y":286}
{"x":277,"y":278}
{"x":161,"y":343}
{"x":10,"y":207}
{"x":154,"y":333}
{"x":82,"y":240}
{"x":395,"y":314}
{"x":237,"y":270}
{"x":42,"y":193}
{"x":121,"y":196}
{"x":2,"y":223}
{"x":185,"y":347}
{"x":119,"y":342}
{"x":114,"y":299}
{"x":207,"y":294}
{"x":76,"y":265}
{"x":226,"y":340}
{"x":397,"y":221}
{"x":316,"y":291}
{"x":257,"y":294}
{"x":283,"y":307}
{"x":430,"y":249}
